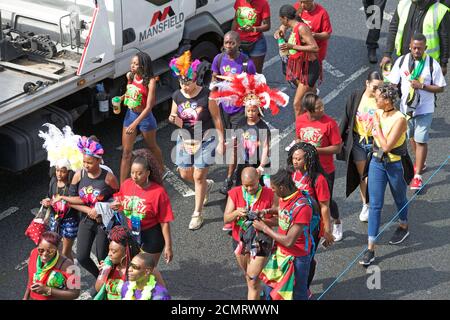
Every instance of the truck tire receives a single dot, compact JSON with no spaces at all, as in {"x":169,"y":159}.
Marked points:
{"x":205,"y":50}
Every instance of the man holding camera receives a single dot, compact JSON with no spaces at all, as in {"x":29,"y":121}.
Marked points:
{"x":245,"y":204}
{"x":421,"y":78}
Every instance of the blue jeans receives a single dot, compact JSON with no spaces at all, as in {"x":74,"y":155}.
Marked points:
{"x":301,"y":270}
{"x":380,"y":173}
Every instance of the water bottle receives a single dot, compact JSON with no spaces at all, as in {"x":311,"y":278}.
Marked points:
{"x":266,"y":179}
{"x":102,"y":98}
{"x":283,"y":53}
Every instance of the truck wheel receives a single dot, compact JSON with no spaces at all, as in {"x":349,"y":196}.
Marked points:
{"x":205,"y":51}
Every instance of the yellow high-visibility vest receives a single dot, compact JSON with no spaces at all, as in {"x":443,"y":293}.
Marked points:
{"x":431,"y":23}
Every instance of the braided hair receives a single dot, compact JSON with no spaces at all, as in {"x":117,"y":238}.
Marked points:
{"x":123,"y":236}
{"x":145,"y":158}
{"x":312,"y":161}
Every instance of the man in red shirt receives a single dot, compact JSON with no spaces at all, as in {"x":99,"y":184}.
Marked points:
{"x":250,"y":197}
{"x":322,"y":131}
{"x":318,"y":20}
{"x":293,"y":237}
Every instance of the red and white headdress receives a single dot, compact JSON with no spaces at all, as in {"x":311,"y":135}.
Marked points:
{"x":247,"y":89}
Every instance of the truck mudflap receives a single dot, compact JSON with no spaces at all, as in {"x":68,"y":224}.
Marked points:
{"x":21,"y":147}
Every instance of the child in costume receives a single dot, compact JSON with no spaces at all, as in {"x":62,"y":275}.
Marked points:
{"x":65,"y":158}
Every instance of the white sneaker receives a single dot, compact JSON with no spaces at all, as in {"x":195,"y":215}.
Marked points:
{"x":290,"y":146}
{"x":196,"y":221}
{"x":337,"y":232}
{"x":208,"y":190}
{"x":364,"y":215}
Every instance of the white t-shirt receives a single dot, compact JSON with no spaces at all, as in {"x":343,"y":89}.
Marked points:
{"x":427,"y":99}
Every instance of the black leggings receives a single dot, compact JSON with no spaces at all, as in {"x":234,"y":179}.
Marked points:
{"x":88,"y":232}
{"x":334,"y":210}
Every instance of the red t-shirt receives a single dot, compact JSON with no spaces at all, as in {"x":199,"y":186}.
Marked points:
{"x":318,"y":21}
{"x":320,"y":133}
{"x":152,"y":204}
{"x":301,"y":214}
{"x":319,"y":191}
{"x":32,"y":267}
{"x":251,"y":14}
{"x":265,"y":201}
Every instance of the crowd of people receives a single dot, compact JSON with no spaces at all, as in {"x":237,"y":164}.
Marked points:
{"x":277,"y":217}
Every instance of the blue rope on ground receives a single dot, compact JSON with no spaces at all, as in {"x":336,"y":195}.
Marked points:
{"x":382,"y":230}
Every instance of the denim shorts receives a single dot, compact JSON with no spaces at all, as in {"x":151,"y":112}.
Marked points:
{"x":202,"y":159}
{"x":259,"y":49}
{"x":361,"y":149}
{"x":419,"y":127}
{"x":147,"y":124}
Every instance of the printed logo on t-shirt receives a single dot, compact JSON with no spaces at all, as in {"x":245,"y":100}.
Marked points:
{"x":189,"y":111}
{"x":134,"y":206}
{"x":133,"y":96}
{"x":250,"y":144}
{"x":90,"y":195}
{"x":284,"y":220}
{"x":311,"y":135}
{"x":246,"y":16}
{"x":228,"y":70}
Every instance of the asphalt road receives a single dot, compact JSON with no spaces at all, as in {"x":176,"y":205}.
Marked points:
{"x":204,"y":266}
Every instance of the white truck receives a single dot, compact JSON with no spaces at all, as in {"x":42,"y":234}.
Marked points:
{"x":54,"y":53}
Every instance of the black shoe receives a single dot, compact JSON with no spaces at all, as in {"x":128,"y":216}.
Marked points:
{"x":372,"y":54}
{"x":227,"y":185}
{"x":368,"y":258}
{"x":399,"y":236}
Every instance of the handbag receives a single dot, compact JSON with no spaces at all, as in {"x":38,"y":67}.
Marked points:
{"x":38,"y":225}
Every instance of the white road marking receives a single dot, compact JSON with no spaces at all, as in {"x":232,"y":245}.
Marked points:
{"x":331,"y":69}
{"x":22,"y":265}
{"x":328,"y":98}
{"x":178,"y":184}
{"x":8,"y":212}
{"x":270,"y":62}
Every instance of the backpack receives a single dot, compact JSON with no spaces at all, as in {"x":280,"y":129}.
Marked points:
{"x":244,"y":64}
{"x":314,"y":225}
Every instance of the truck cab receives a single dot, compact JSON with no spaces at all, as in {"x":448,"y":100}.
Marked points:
{"x":54,"y":53}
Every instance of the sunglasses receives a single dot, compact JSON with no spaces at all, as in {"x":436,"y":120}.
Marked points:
{"x":41,"y":251}
{"x":185,"y":81}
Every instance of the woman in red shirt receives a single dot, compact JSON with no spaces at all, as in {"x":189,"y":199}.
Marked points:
{"x":250,"y":197}
{"x":252,"y":18}
{"x":146,"y":205}
{"x":320,"y":130}
{"x":140,"y":99}
{"x":303,"y":68}
{"x":49,"y":275}
{"x":308,"y":175}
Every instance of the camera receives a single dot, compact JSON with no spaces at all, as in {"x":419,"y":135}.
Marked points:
{"x":379,"y":155}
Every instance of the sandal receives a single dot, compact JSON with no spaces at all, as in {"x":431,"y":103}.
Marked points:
{"x":196,"y":221}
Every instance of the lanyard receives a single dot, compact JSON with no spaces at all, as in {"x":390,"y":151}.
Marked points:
{"x":301,"y":180}
{"x":251,"y":199}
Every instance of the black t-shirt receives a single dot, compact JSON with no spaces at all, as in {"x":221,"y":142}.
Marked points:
{"x":251,"y":140}
{"x":194,"y":111}
{"x":54,"y":190}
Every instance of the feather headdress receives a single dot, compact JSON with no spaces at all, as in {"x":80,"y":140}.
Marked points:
{"x":61,"y":146}
{"x":183,"y":67}
{"x":246,"y":89}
